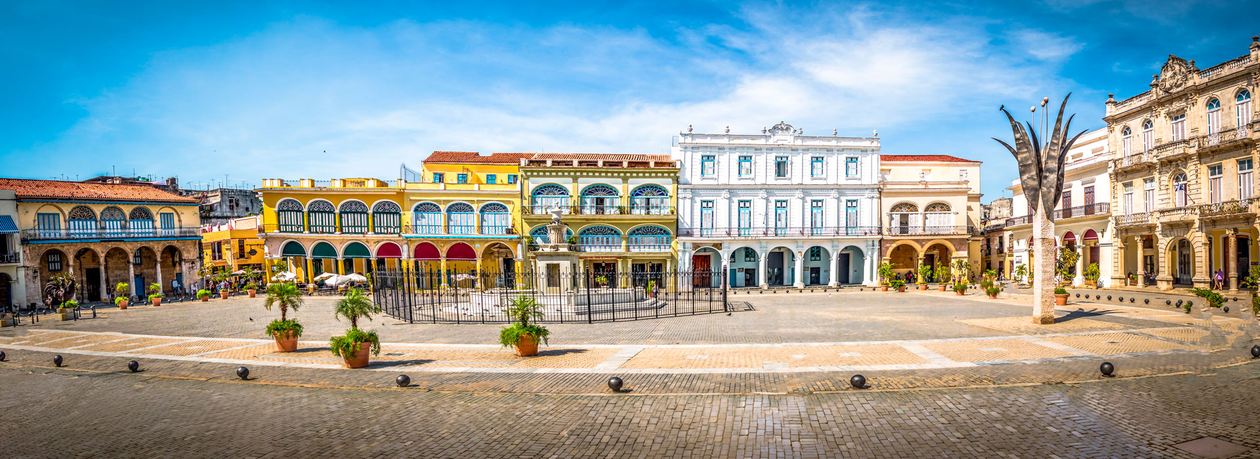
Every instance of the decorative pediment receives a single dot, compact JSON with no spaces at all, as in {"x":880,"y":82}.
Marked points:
{"x":782,"y":128}
{"x":1174,"y":74}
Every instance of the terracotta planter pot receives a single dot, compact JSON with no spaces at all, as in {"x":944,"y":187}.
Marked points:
{"x":156,"y":301}
{"x":527,"y":346}
{"x":922,"y":286}
{"x":360,"y":359}
{"x":252,"y":292}
{"x":883,"y":288}
{"x":901,"y":289}
{"x":964,"y":292}
{"x":205,"y":299}
{"x":286,"y":342}
{"x":122,"y":304}
{"x":1060,"y":300}
{"x":992,"y":296}
{"x":65,"y":314}
{"x":223,"y":294}
{"x":943,"y":287}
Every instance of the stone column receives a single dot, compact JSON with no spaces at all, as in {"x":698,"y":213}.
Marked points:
{"x":1043,"y":280}
{"x":131,"y":279}
{"x":1079,"y":280}
{"x":1118,"y":273}
{"x":834,"y":279}
{"x":161,"y":285}
{"x":762,"y":275}
{"x":1163,"y":276}
{"x":1199,"y":253}
{"x":800,"y":269}
{"x":1231,"y":254}
{"x":442,"y":268}
{"x":1141,"y":262}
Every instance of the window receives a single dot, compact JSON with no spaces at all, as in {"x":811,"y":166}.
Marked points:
{"x":54,"y":261}
{"x":707,"y":166}
{"x":167,"y":220}
{"x":48,"y":224}
{"x":1179,"y":127}
{"x":460,"y":218}
{"x":780,"y":166}
{"x":1148,"y":135}
{"x":744,"y":216}
{"x":491,"y":179}
{"x":815,"y":253}
{"x":1089,"y":198}
{"x":1065,"y":207}
{"x":1128,"y":198}
{"x":1214,"y":116}
{"x":138,"y":259}
{"x":1148,"y":194}
{"x":1126,"y":144}
{"x":1244,"y":179}
{"x":1214,"y":183}
{"x":817,"y":167}
{"x":439,"y":177}
{"x":750,"y":256}
{"x":745,"y":166}
{"x":851,"y":166}
{"x":511,"y":179}
{"x":1180,"y":197}
{"x":354,"y":217}
{"x":816,"y":221}
{"x":548,"y":197}
{"x":426,"y":218}
{"x":780,"y":217}
{"x":851,"y":213}
{"x":706,"y":218}
{"x":386,"y":218}
{"x":461,"y":178}
{"x":1242,"y":105}
{"x":240,"y":248}
{"x":495,"y":219}
{"x":649,"y":200}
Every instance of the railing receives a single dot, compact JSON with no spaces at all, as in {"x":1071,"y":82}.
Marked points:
{"x":298,"y":229}
{"x":564,"y":297}
{"x":598,"y":246}
{"x":109,"y":233}
{"x":1133,"y":219}
{"x":1020,"y":220}
{"x":1223,"y":136}
{"x":8,"y":258}
{"x":1236,"y":207}
{"x":599,"y":210}
{"x":929,"y":229}
{"x":1178,"y":213}
{"x":1081,"y":211}
{"x":791,"y":231}
{"x":1135,"y":159}
{"x":1171,"y":149}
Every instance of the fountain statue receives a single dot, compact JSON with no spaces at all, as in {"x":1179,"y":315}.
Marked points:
{"x":1041,"y":177}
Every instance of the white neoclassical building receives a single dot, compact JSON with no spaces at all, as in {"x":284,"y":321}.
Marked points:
{"x":779,"y":208}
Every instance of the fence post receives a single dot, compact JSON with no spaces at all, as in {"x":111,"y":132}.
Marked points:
{"x":589,"y":319}
{"x":725,"y":303}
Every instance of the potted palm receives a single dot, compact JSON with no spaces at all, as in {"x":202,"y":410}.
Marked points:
{"x":523,"y":334}
{"x":925,"y":271}
{"x":155,"y":294}
{"x":960,"y":286}
{"x":65,"y":311}
{"x":990,"y":284}
{"x":1060,"y":296}
{"x":1021,"y":272}
{"x":286,"y":296}
{"x":943,"y":275}
{"x":357,"y":346}
{"x":203,"y":295}
{"x":252,"y":289}
{"x":122,"y":295}
{"x":1091,"y":275}
{"x":886,"y":275}
{"x":223,"y":292}
{"x":898,"y":285}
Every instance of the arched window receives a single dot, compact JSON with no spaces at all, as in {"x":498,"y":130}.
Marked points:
{"x":938,"y":216}
{"x":650,"y":238}
{"x":599,"y":238}
{"x":549,"y":197}
{"x":354,"y":217}
{"x":495,"y":219}
{"x":322,"y":216}
{"x":140,"y":221}
{"x":600,"y":199}
{"x":1126,"y":142}
{"x":539,"y":235}
{"x":113,"y":222}
{"x":82,"y":222}
{"x":426,"y":218}
{"x":1148,"y":135}
{"x":1214,"y":116}
{"x":1180,"y":194}
{"x":649,"y":200}
{"x":386,"y":218}
{"x":1242,"y":104}
{"x":460,"y":219}
{"x":290,"y":216}
{"x":904,"y":218}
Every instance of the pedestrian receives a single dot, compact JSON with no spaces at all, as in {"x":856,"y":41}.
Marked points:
{"x":1219,"y":279}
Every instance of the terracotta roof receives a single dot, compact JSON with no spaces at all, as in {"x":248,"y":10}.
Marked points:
{"x":925,"y":158}
{"x":54,"y":189}
{"x":601,"y":156}
{"x":474,"y":157}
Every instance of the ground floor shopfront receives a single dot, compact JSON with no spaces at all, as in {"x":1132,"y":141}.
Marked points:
{"x":780,"y":263}
{"x":447,"y":261}
{"x":1091,"y":238}
{"x":1188,"y":254}
{"x":98,"y":267}
{"x":906,"y":253}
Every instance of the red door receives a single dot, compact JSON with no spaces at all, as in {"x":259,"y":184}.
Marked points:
{"x":701,"y":271}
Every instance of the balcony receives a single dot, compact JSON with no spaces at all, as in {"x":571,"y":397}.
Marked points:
{"x":789,"y":231}
{"x":8,"y":258}
{"x":638,"y":244}
{"x":1020,"y":220}
{"x":928,"y":230}
{"x":1097,"y":208}
{"x":299,"y":229}
{"x":1241,"y":207}
{"x":1183,"y":214}
{"x":630,"y":211}
{"x":108,"y":234}
{"x":1170,"y":151}
{"x":1223,"y":140}
{"x":1134,"y":161}
{"x":1142,"y":218}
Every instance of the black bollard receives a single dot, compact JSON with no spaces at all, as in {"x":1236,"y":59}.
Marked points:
{"x":1255,"y":351}
{"x":403,"y":380}
{"x":243,"y":373}
{"x":57,"y":360}
{"x":2,"y":356}
{"x":134,"y":366}
{"x":858,"y":382}
{"x":615,"y":383}
{"x":1107,"y":369}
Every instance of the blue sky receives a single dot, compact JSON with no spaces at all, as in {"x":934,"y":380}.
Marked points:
{"x":277,"y":89}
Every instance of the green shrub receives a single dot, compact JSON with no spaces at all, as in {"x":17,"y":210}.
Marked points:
{"x":886,"y":273}
{"x":346,"y":345}
{"x":69,"y":304}
{"x":122,"y":289}
{"x":118,"y":300}
{"x":960,"y":287}
{"x":925,"y":271}
{"x":1092,"y":272}
{"x":203,"y":294}
{"x":523,"y":311}
{"x":281,"y":327}
{"x":1060,"y":291}
{"x":251,"y":286}
{"x":1214,"y":299}
{"x":897,"y":283}
{"x":993,"y":290}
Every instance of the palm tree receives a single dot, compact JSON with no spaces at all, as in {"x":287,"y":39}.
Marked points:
{"x":355,"y":305}
{"x":285,"y":295}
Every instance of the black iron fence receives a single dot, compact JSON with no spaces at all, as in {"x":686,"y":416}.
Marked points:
{"x":564,"y":296}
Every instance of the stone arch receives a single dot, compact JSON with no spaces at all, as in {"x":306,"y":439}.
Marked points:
{"x":116,"y":264}
{"x":706,"y":267}
{"x":169,"y":261}
{"x":781,"y":266}
{"x":818,"y":266}
{"x":850,"y":265}
{"x":744,"y":267}
{"x":145,"y":268}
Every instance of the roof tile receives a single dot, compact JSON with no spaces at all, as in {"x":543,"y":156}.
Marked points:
{"x":925,"y":158}
{"x":55,"y":189}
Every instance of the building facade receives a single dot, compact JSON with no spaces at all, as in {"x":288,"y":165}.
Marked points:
{"x":931,"y":210}
{"x":104,"y":234}
{"x":619,"y":207}
{"x":464,"y":214}
{"x":233,"y":246}
{"x":1082,"y":217}
{"x":221,"y":205}
{"x":1184,"y":192}
{"x":994,"y":217}
{"x":12,"y":271}
{"x":779,"y":208}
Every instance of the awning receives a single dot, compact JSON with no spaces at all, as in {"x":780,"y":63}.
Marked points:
{"x":356,"y":250}
{"x":293,"y":249}
{"x":323,"y":250}
{"x":6,"y":225}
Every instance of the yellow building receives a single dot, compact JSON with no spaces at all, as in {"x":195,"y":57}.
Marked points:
{"x":233,"y":246}
{"x":103,"y":234}
{"x":932,"y":209}
{"x":619,"y":207}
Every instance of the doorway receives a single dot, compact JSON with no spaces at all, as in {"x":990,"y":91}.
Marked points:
{"x":605,"y":272}
{"x":842,"y":270}
{"x":93,"y":281}
{"x":6,"y":291}
{"x":815,"y":275}
{"x":1243,"y":247}
{"x":139,"y":286}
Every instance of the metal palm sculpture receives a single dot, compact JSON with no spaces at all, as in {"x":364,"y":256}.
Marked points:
{"x":1041,"y":172}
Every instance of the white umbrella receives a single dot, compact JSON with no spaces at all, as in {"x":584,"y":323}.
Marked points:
{"x":284,"y":277}
{"x":355,"y":277}
{"x":238,"y":273}
{"x":324,"y":276}
{"x":346,"y":279}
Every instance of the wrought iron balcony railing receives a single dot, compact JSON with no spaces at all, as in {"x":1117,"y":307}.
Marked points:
{"x":928,"y":229}
{"x":32,"y":235}
{"x":788,"y":231}
{"x":1236,"y":207}
{"x":593,"y":209}
{"x":8,"y":258}
{"x":1081,"y":211}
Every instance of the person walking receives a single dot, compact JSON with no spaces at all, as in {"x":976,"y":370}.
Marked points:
{"x":1218,"y":280}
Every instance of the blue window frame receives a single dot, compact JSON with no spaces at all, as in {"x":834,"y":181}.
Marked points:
{"x":460,"y":219}
{"x":599,"y":239}
{"x":495,"y":219}
{"x":167,"y":220}
{"x":744,"y":217}
{"x":850,"y":214}
{"x":745,"y":166}
{"x":511,"y":179}
{"x":48,"y":225}
{"x":548,"y":197}
{"x":426,"y":218}
{"x":817,"y":166}
{"x":780,"y":217}
{"x":708,"y":166}
{"x":439,"y":177}
{"x":651,"y":238}
{"x":781,"y":166}
{"x":816,"y":221}
{"x":851,"y":166}
{"x":649,"y":200}
{"x":461,"y":178}
{"x":491,"y":179}
{"x":706,"y":218}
